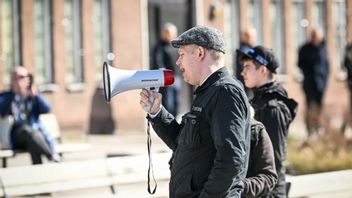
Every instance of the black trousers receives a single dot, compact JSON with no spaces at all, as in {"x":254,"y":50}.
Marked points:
{"x":33,"y":141}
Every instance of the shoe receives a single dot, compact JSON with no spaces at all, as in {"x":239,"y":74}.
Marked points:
{"x":55,"y":158}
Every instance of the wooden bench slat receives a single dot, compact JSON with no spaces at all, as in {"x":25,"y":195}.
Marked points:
{"x":58,"y":186}
{"x":65,"y":176}
{"x":6,"y":153}
{"x":53,"y":172}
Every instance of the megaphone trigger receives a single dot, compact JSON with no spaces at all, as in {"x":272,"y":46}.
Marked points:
{"x":156,"y":89}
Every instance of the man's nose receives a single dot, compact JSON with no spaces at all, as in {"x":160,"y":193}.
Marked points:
{"x":178,"y":62}
{"x":242,"y":73}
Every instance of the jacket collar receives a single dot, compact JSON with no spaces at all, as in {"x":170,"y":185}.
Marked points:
{"x":220,"y":73}
{"x":270,"y":91}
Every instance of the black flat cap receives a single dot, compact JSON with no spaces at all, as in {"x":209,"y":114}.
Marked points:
{"x":206,"y":37}
{"x":261,"y":55}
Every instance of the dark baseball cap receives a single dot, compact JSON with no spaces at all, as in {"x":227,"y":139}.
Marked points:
{"x":206,"y":37}
{"x":261,"y":55}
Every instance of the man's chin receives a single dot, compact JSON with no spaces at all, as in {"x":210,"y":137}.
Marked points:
{"x":249,"y":86}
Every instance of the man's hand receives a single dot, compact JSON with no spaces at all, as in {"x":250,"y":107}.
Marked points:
{"x":150,"y":101}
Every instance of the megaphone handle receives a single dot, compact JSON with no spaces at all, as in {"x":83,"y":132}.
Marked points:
{"x":150,"y":99}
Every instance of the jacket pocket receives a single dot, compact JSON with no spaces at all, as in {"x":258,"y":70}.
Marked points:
{"x":184,"y":188}
{"x":190,"y":134}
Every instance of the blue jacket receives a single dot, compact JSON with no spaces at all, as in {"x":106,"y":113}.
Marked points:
{"x":37,"y":105}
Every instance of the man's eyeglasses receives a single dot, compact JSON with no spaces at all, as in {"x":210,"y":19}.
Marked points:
{"x":19,"y":77}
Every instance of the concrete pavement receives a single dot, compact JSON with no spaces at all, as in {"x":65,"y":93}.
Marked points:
{"x":134,"y":144}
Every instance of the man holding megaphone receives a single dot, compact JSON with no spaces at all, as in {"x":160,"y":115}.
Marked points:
{"x":211,"y":144}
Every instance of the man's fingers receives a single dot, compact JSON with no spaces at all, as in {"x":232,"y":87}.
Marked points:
{"x":144,"y":100}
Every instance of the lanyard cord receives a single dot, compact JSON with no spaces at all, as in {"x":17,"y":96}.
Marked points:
{"x":3,"y":188}
{"x":150,"y":168}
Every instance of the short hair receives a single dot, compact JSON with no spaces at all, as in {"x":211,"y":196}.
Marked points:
{"x":216,"y":55}
{"x":170,"y":27}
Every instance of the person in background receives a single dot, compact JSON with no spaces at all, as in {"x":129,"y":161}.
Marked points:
{"x":211,"y":144}
{"x":271,"y":104}
{"x":314,"y":64}
{"x":261,"y":176}
{"x":248,"y":38}
{"x":347,"y":64}
{"x":25,"y":104}
{"x":165,"y":57}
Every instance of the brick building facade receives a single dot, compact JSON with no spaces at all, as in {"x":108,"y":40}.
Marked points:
{"x":64,"y":43}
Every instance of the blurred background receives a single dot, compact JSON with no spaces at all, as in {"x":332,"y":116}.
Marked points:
{"x":65,"y":42}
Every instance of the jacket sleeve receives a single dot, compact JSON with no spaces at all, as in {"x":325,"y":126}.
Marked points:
{"x":5,"y":103}
{"x":301,"y":58}
{"x":159,"y":58}
{"x":230,"y":133}
{"x":42,"y":105}
{"x":276,"y":120}
{"x":166,"y":127}
{"x":264,"y":176}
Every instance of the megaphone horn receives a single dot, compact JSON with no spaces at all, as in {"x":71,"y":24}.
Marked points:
{"x":119,"y":80}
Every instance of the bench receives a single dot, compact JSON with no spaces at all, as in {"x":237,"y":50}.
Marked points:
{"x":50,"y":122}
{"x":78,"y":175}
{"x":328,"y":184}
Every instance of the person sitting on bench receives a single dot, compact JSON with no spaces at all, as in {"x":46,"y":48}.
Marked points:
{"x":25,"y":104}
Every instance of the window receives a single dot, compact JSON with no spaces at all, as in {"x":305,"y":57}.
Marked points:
{"x":102,"y":36}
{"x":43,"y":42}
{"x":339,"y":22}
{"x":276,"y":21}
{"x":10,"y":37}
{"x":319,"y":15}
{"x":299,"y":28}
{"x":300,"y":23}
{"x":235,"y":27}
{"x":73,"y":43}
{"x":178,"y":12}
{"x":255,"y":15}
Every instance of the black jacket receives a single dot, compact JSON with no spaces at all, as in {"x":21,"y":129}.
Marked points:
{"x":261,"y":176}
{"x":211,"y":145}
{"x":276,"y":111}
{"x":165,"y":56}
{"x":347,"y":63}
{"x":313,"y":61}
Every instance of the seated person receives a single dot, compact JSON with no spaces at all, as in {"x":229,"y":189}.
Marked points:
{"x":25,"y":104}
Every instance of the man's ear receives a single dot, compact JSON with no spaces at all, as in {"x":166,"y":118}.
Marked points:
{"x":201,"y":53}
{"x":263,"y":69}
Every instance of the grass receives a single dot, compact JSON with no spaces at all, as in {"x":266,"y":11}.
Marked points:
{"x":329,"y":152}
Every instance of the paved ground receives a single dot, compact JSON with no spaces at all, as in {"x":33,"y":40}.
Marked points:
{"x":113,"y":145}
{"x":136,"y":190}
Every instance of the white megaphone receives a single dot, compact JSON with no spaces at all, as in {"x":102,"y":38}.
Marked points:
{"x":119,"y":80}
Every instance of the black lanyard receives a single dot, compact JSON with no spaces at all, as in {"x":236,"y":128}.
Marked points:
{"x":150,"y":168}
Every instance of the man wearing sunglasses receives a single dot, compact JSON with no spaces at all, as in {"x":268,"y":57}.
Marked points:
{"x":25,"y":104}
